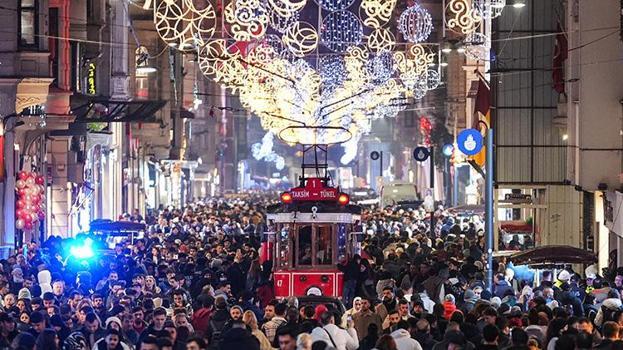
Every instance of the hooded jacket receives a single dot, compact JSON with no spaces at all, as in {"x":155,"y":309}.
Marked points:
{"x":342,"y":339}
{"x":403,"y":340}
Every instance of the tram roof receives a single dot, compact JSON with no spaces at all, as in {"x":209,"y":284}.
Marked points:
{"x":320,"y":207}
{"x":323,"y":213}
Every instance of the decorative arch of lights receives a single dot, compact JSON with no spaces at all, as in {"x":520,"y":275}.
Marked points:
{"x":319,"y":69}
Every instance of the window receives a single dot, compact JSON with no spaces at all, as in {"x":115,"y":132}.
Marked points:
{"x":324,"y":254}
{"x":28,"y":23}
{"x":305,"y":245}
{"x":283,"y":248}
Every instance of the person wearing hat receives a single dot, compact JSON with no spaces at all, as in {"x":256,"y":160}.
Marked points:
{"x":8,"y":330}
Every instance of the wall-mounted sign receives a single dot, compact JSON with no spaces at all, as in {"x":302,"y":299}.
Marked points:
{"x":517,"y":198}
{"x":91,"y":78}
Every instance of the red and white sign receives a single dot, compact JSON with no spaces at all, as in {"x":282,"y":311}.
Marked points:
{"x":314,"y":190}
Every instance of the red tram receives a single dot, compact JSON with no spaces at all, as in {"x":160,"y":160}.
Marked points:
{"x":312,"y":231}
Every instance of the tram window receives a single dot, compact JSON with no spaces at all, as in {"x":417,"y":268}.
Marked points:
{"x":284,"y":248}
{"x":305,"y":245}
{"x":324,"y":253}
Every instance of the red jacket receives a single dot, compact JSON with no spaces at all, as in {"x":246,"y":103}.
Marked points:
{"x":449,"y":309}
{"x":201,"y":321}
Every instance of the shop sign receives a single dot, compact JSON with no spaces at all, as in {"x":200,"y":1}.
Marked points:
{"x":91,"y":77}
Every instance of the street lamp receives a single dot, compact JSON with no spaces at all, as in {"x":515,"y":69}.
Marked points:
{"x":518,"y":4}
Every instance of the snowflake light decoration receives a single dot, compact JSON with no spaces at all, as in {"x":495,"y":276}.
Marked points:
{"x":416,"y":24}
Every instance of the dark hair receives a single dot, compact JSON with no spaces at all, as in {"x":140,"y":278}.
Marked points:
{"x":91,"y":317}
{"x":386,"y":342}
{"x":150,"y":339}
{"x":286,"y":330}
{"x":489,"y":311}
{"x":610,"y":329}
{"x":308,"y":311}
{"x":402,"y":324}
{"x":280,"y":309}
{"x":45,"y":340}
{"x":490,"y":333}
{"x":160,"y":312}
{"x":200,"y":342}
{"x":519,"y":336}
{"x":584,"y":340}
{"x":112,"y":331}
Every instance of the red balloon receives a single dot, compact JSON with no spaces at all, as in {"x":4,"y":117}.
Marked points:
{"x":36,"y":208}
{"x":21,"y":192}
{"x":22,"y":175}
{"x":39,"y":180}
{"x":21,"y":204}
{"x":24,"y":215}
{"x":19,"y":213}
{"x":36,"y":199}
{"x":28,"y":225}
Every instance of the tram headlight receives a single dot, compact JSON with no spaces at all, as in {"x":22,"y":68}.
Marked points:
{"x":343,"y":199}
{"x":286,"y":197}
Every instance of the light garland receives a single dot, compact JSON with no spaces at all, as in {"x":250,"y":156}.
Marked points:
{"x":335,"y":5}
{"x":416,"y":24}
{"x":340,"y":30}
{"x":299,"y":92}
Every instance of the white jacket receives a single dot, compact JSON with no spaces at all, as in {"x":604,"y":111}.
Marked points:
{"x":343,"y":339}
{"x":403,"y":340}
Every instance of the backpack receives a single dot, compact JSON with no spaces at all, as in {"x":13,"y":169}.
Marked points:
{"x":608,"y":313}
{"x":217,"y":332}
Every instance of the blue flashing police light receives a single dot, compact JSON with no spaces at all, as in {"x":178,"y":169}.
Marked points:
{"x":82,"y":250}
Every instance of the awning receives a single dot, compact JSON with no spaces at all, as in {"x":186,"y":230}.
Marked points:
{"x":101,"y":109}
{"x":554,"y":255}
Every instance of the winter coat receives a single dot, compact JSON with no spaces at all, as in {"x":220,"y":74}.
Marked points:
{"x":449,"y":308}
{"x":343,"y":339}
{"x":239,"y":338}
{"x":403,"y":340}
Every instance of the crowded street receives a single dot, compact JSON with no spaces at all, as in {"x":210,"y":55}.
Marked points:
{"x":311,"y":174}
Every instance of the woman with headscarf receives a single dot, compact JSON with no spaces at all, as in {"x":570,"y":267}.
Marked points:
{"x":350,"y":312}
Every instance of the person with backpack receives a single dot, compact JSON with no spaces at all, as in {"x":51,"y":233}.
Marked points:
{"x":201,"y":317}
{"x":608,"y":308}
{"x":333,"y":335}
{"x":217,"y":322}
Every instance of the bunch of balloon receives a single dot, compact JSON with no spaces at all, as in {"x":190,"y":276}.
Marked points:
{"x":30,"y":204}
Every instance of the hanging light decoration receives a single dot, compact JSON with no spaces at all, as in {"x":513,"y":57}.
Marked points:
{"x":184,"y":25}
{"x":340,"y":30}
{"x":461,"y":17}
{"x":489,"y":9}
{"x":477,"y":46}
{"x":269,"y":57}
{"x":416,"y":24}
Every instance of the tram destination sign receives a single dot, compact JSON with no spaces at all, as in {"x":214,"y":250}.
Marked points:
{"x":314,"y":190}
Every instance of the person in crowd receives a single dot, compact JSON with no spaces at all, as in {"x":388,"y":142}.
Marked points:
{"x":196,"y":280}
{"x":331,"y":334}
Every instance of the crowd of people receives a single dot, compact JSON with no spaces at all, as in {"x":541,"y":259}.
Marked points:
{"x":195,"y":281}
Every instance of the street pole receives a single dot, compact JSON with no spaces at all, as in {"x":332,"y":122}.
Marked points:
{"x":489,"y":208}
{"x":381,"y":165}
{"x":432,"y":192}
